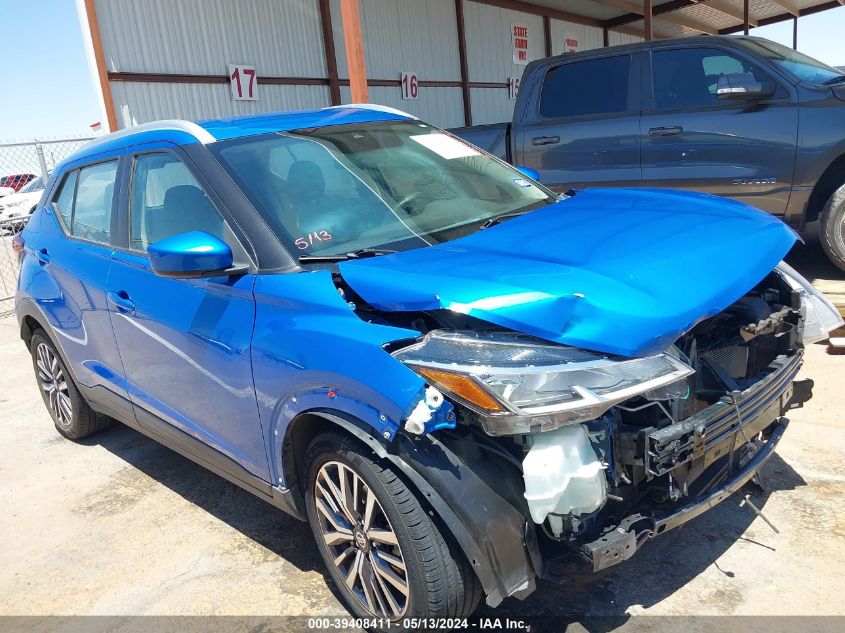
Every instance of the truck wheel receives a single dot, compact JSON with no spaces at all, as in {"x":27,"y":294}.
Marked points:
{"x":384,"y":553}
{"x":832,"y":232}
{"x":73,"y":417}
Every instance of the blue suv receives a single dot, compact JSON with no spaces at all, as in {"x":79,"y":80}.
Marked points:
{"x":453,"y":374}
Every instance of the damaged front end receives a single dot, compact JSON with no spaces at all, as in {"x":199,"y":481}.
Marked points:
{"x":607,"y":451}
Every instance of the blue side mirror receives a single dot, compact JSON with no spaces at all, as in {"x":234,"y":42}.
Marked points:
{"x":191,"y":254}
{"x":533,"y":174}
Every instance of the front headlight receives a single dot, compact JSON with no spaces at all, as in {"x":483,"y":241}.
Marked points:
{"x":820,"y":315}
{"x":518,"y":384}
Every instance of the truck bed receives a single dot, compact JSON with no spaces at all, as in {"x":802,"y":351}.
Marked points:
{"x":493,"y":138}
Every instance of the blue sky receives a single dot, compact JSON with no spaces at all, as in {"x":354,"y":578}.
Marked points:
{"x":51,"y":94}
{"x":48,"y":90}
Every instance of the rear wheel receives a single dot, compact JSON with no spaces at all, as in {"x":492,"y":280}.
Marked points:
{"x":72,"y":416}
{"x":832,"y":232}
{"x":385,"y":554}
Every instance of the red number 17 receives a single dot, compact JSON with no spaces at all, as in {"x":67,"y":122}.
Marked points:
{"x":236,"y":75}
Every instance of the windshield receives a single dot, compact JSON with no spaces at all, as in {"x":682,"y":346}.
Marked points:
{"x":797,"y":64}
{"x":34,"y":185}
{"x":396,"y":186}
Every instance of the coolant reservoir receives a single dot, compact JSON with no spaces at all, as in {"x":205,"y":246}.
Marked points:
{"x":562,"y":474}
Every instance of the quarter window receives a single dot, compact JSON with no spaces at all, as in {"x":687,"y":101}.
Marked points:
{"x":64,"y":201}
{"x":688,"y":77}
{"x":596,"y":86}
{"x":167,"y":200}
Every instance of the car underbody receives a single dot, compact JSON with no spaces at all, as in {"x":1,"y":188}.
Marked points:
{"x":646,"y":465}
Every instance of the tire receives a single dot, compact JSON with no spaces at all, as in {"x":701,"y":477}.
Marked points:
{"x":438,"y":580}
{"x":72,"y":416}
{"x":832,"y":233}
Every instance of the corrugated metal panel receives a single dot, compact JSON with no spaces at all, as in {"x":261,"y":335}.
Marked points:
{"x":615,"y":38}
{"x":410,"y":35}
{"x":418,"y":36}
{"x":588,"y":37}
{"x":440,"y":106}
{"x":279,"y":38}
{"x":490,"y":105}
{"x":707,"y":16}
{"x":764,"y":8}
{"x":490,"y":45}
{"x":588,"y":8}
{"x":142,"y":102}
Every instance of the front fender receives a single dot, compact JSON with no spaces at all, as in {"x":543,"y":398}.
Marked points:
{"x":490,"y":529}
{"x":311,"y":351}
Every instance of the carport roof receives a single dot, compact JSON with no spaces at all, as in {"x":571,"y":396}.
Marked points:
{"x":674,"y":18}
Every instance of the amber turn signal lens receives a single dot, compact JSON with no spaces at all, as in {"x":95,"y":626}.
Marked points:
{"x":463,"y":387}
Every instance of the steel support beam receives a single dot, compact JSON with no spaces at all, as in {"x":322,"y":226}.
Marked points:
{"x":328,"y":46}
{"x":745,"y":17}
{"x":100,"y":62}
{"x":464,"y":65}
{"x":353,"y":41}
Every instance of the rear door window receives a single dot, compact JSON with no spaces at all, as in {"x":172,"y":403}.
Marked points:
{"x":590,"y":87}
{"x":92,"y":207}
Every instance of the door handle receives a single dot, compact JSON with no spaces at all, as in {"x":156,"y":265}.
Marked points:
{"x":43,"y":255}
{"x":121,"y":301}
{"x":669,"y":130}
{"x":545,"y":140}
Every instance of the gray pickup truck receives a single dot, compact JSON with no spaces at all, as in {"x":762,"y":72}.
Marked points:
{"x":741,"y":117}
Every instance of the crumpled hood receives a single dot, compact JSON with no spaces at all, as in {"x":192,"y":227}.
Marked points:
{"x":622,"y":271}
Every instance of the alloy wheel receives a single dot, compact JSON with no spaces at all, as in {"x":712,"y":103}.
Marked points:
{"x":363,"y":545}
{"x":54,"y":383}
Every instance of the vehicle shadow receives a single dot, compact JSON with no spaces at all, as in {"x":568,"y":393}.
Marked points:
{"x":598,"y":602}
{"x":271,"y":528}
{"x":810,"y":260}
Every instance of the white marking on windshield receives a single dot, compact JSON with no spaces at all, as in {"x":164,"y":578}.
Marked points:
{"x":445,"y":146}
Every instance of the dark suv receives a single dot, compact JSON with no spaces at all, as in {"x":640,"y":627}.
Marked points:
{"x":741,"y":117}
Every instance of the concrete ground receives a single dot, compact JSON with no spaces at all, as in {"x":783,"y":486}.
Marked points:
{"x":118,"y":525}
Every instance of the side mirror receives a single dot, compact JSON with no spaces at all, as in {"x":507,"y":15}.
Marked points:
{"x":742,"y":86}
{"x":191,"y":254}
{"x":533,"y":174}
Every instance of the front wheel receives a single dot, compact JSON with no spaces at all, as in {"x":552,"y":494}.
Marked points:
{"x":384,"y":553}
{"x":832,"y":232}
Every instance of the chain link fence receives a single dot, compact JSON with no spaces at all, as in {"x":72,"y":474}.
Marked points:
{"x":24,"y":168}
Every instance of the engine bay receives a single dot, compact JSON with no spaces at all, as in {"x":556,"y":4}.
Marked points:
{"x":652,"y":451}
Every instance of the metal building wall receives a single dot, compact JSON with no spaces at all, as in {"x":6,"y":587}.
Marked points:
{"x":414,"y":36}
{"x":588,"y":37}
{"x":615,"y":38}
{"x":139,"y":102}
{"x":201,"y":37}
{"x":490,"y":56}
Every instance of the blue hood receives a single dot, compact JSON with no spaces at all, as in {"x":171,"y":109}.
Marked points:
{"x":622,"y":271}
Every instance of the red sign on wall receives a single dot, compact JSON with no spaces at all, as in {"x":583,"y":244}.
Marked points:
{"x":519,"y":34}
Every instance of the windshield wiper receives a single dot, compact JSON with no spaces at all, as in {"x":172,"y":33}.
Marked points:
{"x":834,"y":80}
{"x":498,"y":218}
{"x":342,"y":257}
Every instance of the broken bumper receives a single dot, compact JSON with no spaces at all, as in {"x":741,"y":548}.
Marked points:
{"x":623,"y":542}
{"x":699,"y":441}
